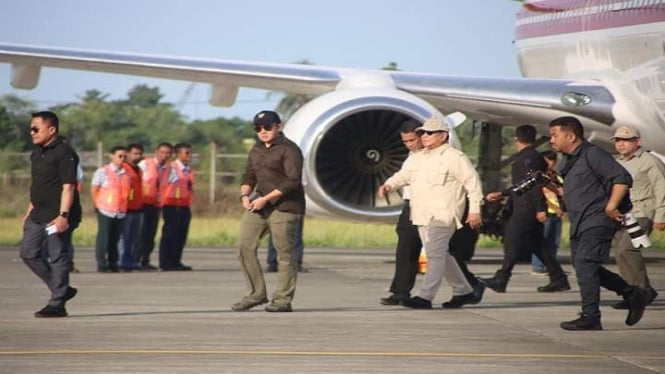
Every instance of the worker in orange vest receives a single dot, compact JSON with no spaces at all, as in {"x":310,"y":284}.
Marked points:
{"x":154,"y":170}
{"x":110,"y":193}
{"x":129,"y":237}
{"x":176,"y":197}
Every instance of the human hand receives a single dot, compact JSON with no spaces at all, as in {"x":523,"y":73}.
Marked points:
{"x":258,"y":204}
{"x":614,"y":214}
{"x":493,"y":196}
{"x":474,"y":220}
{"x":383,"y":190}
{"x":660,"y":226}
{"x":541,"y":217}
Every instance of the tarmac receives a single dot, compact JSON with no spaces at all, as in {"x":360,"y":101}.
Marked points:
{"x":181,"y":322}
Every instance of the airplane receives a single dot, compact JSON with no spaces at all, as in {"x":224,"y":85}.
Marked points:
{"x":602,"y":61}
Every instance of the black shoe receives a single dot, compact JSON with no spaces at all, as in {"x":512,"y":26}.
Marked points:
{"x":585,"y":322}
{"x":478,"y":291}
{"x":461,"y":300}
{"x":148,"y":267}
{"x":71,"y":292}
{"x":112,"y":269}
{"x":495,"y":284}
{"x":556,"y":286}
{"x":394,"y":299}
{"x":246,"y":304}
{"x":182,"y":267}
{"x":278,"y":308}
{"x":302,"y":269}
{"x":652,"y":295}
{"x":271,"y":269}
{"x":637,"y":301}
{"x":51,"y":311}
{"x":417,"y":302}
{"x":620,"y":305}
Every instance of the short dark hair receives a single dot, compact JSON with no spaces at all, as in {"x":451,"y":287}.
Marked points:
{"x":164,"y":144}
{"x":49,"y":118}
{"x":569,"y":124}
{"x":409,"y":126}
{"x":180,"y":146}
{"x":526,"y":134}
{"x":117,"y":148}
{"x":549,"y":154}
{"x":131,"y":146}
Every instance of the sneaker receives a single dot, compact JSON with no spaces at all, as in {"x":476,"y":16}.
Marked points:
{"x":51,"y":311}
{"x":417,"y":302}
{"x":637,"y":301}
{"x":247,"y":303}
{"x":585,"y":322}
{"x":394,"y":299}
{"x":556,"y":286}
{"x":278,"y":308}
{"x":459,"y":301}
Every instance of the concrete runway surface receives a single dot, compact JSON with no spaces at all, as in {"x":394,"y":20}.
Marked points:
{"x":181,"y":322}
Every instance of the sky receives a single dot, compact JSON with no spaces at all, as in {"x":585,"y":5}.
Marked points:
{"x":463,"y":37}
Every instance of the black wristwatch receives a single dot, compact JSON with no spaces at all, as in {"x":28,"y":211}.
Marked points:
{"x":64,"y":214}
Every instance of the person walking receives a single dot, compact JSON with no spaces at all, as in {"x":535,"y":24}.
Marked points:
{"x":648,"y":198}
{"x":595,"y":189}
{"x":53,"y":210}
{"x":273,"y":197}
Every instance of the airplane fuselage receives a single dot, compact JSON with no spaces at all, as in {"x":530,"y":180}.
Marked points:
{"x":620,"y":43}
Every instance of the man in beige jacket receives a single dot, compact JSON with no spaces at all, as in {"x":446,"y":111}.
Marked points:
{"x":440,"y":177}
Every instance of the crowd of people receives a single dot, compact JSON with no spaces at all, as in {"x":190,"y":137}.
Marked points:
{"x":441,"y":215}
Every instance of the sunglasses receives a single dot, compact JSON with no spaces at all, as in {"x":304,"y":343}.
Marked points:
{"x":268,"y":127}
{"x":429,"y":132}
{"x":34,"y":130}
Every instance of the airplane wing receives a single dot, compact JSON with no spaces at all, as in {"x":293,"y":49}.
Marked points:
{"x":349,"y":132}
{"x":511,"y":101}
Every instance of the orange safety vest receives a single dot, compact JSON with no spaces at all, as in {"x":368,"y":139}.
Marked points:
{"x":113,"y":197}
{"x":135,"y":198}
{"x":180,"y":192}
{"x":152,"y":179}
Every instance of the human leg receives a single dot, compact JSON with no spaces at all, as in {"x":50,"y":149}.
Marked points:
{"x":252,"y":229}
{"x":284,"y":231}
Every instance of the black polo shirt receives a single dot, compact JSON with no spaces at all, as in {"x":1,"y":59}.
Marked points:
{"x":588,"y":175}
{"x":53,"y":166}
{"x":277,"y":167}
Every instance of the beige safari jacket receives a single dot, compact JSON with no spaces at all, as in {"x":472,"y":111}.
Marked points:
{"x":648,"y":190}
{"x":439,"y":180}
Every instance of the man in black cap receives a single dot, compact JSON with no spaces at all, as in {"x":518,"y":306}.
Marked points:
{"x":274,"y":200}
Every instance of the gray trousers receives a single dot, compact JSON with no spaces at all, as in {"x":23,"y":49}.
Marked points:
{"x":629,"y":259}
{"x":283,"y":228}
{"x":440,"y":263}
{"x":53,"y":270}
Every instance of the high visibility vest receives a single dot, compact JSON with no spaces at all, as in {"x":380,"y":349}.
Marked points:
{"x":114,"y":196}
{"x":152,"y":177}
{"x":552,"y":199}
{"x":180,"y":192}
{"x":135,"y":198}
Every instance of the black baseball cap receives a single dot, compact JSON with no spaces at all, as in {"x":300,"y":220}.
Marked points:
{"x":266,"y":117}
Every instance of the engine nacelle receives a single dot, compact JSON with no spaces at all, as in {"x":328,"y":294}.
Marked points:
{"x":351,"y":145}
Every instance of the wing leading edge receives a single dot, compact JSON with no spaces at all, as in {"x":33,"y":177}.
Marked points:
{"x":497,"y":100}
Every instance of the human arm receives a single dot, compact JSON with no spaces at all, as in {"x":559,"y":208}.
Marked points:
{"x":656,"y":175}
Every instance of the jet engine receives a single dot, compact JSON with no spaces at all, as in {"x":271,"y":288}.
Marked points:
{"x":351,"y":144}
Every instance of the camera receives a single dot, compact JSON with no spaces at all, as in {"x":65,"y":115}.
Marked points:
{"x":637,"y":236}
{"x":533,"y":178}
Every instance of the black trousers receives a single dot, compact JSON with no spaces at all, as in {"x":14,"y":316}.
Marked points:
{"x":462,"y":246}
{"x":174,"y":235}
{"x":589,"y":250}
{"x":524,"y":234}
{"x":148,"y":232}
{"x":406,"y":254}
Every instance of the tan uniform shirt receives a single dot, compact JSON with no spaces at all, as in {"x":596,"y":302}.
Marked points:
{"x":648,"y":191}
{"x":439,"y":180}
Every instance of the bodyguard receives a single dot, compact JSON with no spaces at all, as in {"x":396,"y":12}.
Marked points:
{"x":53,"y":210}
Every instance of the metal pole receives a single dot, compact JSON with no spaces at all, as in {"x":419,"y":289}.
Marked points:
{"x":213,"y":168}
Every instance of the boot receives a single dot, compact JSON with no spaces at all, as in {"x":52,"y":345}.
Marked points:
{"x":585,"y":322}
{"x":637,"y":300}
{"x":556,"y":286}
